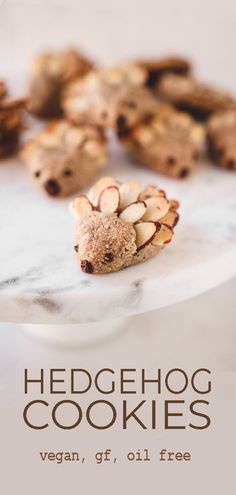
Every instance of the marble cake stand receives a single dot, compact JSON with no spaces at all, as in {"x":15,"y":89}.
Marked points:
{"x":41,"y":284}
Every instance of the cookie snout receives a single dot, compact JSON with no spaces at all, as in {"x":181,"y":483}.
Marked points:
{"x":52,"y":187}
{"x":121,"y":122}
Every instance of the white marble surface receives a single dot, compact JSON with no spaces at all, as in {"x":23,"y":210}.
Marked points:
{"x":194,"y":333}
{"x":39,"y":278}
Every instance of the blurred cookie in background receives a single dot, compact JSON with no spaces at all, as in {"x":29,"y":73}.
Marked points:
{"x":156,"y":67}
{"x":50,"y":73}
{"x":169,"y":143}
{"x":11,"y":121}
{"x":63,"y":159}
{"x":111,"y":97}
{"x":222,"y":138}
{"x":197,"y":98}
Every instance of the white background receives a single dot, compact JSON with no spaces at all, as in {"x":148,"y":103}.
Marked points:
{"x":111,"y":31}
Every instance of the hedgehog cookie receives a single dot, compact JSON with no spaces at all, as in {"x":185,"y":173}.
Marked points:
{"x":50,"y":74}
{"x":62,"y":159}
{"x":111,"y":97}
{"x":199,"y":99}
{"x":137,"y":106}
{"x":156,"y":67}
{"x":168,"y":143}
{"x":11,"y":123}
{"x":119,"y":225}
{"x":222,"y":138}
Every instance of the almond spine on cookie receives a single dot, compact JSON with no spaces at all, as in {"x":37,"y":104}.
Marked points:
{"x":164,"y":236}
{"x":133,"y":212}
{"x":145,"y":233}
{"x":95,"y":191}
{"x":157,"y":207}
{"x":171,"y":218}
{"x":81,"y":206}
{"x":129,"y":193}
{"x":109,"y":200}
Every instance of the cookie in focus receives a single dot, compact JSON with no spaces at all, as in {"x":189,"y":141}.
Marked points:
{"x":121,"y":224}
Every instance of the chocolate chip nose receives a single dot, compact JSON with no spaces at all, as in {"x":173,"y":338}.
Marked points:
{"x":52,"y":187}
{"x":121,"y":122}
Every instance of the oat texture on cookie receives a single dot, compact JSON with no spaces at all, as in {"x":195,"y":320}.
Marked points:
{"x":121,"y":224}
{"x":169,"y":143}
{"x":50,"y":73}
{"x":63,"y":159}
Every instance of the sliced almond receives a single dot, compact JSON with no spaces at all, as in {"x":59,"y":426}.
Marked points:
{"x":164,"y":236}
{"x":171,"y":219}
{"x":161,"y":193}
{"x":174,"y":205}
{"x":157,"y":207}
{"x":113,"y":76}
{"x":129,"y":192}
{"x":133,"y":212}
{"x":96,"y":151}
{"x":81,"y":206}
{"x":145,"y":232}
{"x":109,"y":200}
{"x":95,"y":192}
{"x":144,"y":136}
{"x":136,"y":75}
{"x":150,"y":191}
{"x":75,"y":137}
{"x":198,"y":135}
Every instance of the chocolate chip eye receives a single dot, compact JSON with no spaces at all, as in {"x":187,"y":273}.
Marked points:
{"x":67,"y":172}
{"x":37,"y":174}
{"x":171,"y":160}
{"x":109,"y":257}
